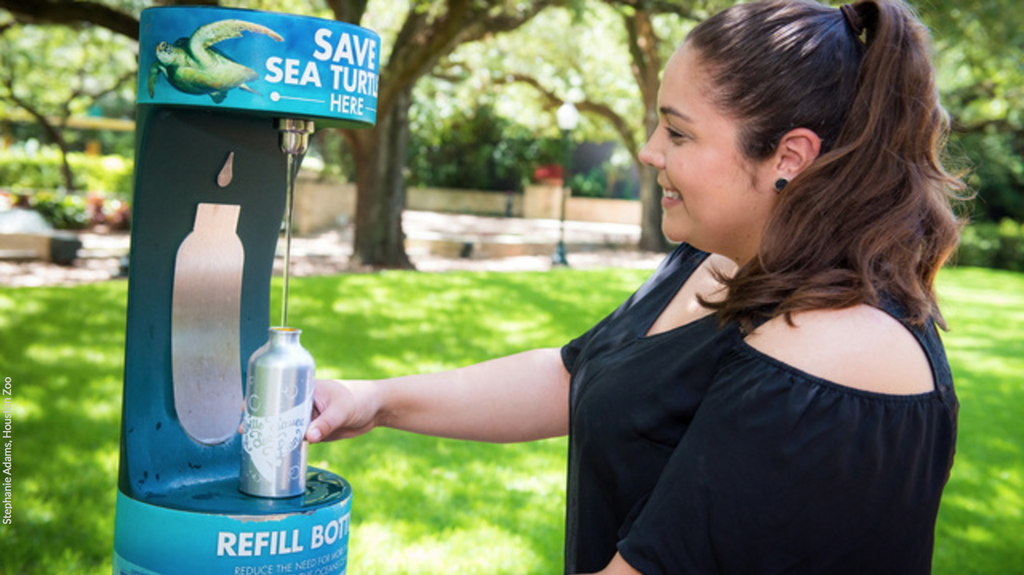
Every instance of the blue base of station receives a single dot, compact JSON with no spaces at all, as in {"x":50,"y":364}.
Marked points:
{"x":304,"y":535}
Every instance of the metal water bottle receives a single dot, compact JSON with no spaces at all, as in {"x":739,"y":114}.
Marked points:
{"x":278,"y":406}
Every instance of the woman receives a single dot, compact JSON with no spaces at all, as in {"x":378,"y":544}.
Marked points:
{"x":775,"y":399}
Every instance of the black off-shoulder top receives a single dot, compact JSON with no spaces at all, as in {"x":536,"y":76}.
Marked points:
{"x":690,"y":452}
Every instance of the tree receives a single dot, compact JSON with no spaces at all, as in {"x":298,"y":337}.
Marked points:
{"x":54,"y":72}
{"x":978,"y":41}
{"x":427,"y":34}
{"x":72,"y":12}
{"x":978,"y":48}
{"x":431,"y":30}
{"x":645,"y":51}
{"x":594,"y":79}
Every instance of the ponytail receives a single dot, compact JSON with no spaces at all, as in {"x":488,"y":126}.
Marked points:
{"x":871,"y":216}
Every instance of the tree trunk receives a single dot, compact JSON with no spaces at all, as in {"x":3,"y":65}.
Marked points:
{"x":57,"y":135}
{"x":643,"y":47}
{"x":69,"y":178}
{"x":651,"y":237}
{"x":380,"y":188}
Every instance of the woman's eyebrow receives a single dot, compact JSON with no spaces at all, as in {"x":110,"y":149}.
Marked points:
{"x":670,"y":111}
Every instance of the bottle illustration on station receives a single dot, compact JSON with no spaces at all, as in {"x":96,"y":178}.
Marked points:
{"x":228,"y":100}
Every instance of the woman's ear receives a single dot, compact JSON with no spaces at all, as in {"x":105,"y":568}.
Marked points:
{"x":796,"y":150}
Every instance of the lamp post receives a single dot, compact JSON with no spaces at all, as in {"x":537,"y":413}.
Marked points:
{"x":568,"y":117}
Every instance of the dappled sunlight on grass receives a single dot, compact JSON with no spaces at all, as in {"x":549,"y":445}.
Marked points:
{"x":427,"y":505}
{"x":45,"y":353}
{"x":438,"y":505}
{"x":426,"y":489}
{"x":477,"y":549}
{"x":982,"y":513}
{"x":399,"y":322}
{"x":63,"y":349}
{"x":425,"y":501}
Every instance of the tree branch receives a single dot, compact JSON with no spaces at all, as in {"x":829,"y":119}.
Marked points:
{"x":190,"y":2}
{"x":553,"y":101}
{"x":125,"y":78}
{"x":425,"y":39}
{"x":350,"y":11}
{"x":681,"y":8}
{"x":73,"y":12}
{"x":646,"y":63}
{"x":54,"y":132}
{"x":505,"y":22}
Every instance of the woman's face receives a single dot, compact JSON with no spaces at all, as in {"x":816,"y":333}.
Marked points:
{"x":714,"y":198}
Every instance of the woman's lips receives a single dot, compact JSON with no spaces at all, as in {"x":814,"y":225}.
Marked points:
{"x":670,"y":198}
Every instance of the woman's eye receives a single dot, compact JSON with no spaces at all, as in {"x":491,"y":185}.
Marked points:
{"x":676,"y":136}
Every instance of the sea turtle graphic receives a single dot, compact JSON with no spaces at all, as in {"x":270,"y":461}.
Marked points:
{"x":194,"y":66}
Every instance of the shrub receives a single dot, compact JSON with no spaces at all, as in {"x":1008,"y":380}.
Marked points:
{"x":997,"y":166}
{"x":38,"y":180}
{"x":992,"y":245}
{"x":1011,"y":246}
{"x":43,"y":171}
{"x":62,"y":211}
{"x":481,"y":151}
{"x":593,"y":184}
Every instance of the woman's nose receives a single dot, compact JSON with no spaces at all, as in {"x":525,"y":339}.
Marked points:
{"x":650,"y":156}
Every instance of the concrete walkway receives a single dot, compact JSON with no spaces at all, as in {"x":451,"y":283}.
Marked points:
{"x":435,"y":242}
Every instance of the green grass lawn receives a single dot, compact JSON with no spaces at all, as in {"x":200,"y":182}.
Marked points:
{"x":426,"y":505}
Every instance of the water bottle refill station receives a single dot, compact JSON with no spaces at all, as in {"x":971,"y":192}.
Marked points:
{"x":227,"y":101}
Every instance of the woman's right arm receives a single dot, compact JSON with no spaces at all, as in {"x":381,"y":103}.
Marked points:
{"x":520,"y":397}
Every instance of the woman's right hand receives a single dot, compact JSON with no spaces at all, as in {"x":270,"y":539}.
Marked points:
{"x":520,"y":397}
{"x":342,"y":409}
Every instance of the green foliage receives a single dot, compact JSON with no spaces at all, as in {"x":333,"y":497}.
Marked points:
{"x":61,"y":71}
{"x":978,"y":46}
{"x":42,"y":171}
{"x":63,"y":211}
{"x":992,"y":245}
{"x":579,"y":53}
{"x":481,"y":151}
{"x":997,"y":172}
{"x":425,"y":505}
{"x":118,"y":143}
{"x":593,"y":184}
{"x":330,"y":155}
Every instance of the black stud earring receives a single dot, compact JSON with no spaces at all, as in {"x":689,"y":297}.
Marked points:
{"x":780,"y":184}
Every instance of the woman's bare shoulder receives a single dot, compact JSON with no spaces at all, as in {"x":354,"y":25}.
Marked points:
{"x":860,"y":347}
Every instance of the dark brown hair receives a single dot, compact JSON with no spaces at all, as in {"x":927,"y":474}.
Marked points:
{"x":871,"y":216}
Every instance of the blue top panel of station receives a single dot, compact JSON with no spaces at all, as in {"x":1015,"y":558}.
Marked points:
{"x":263,"y":63}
